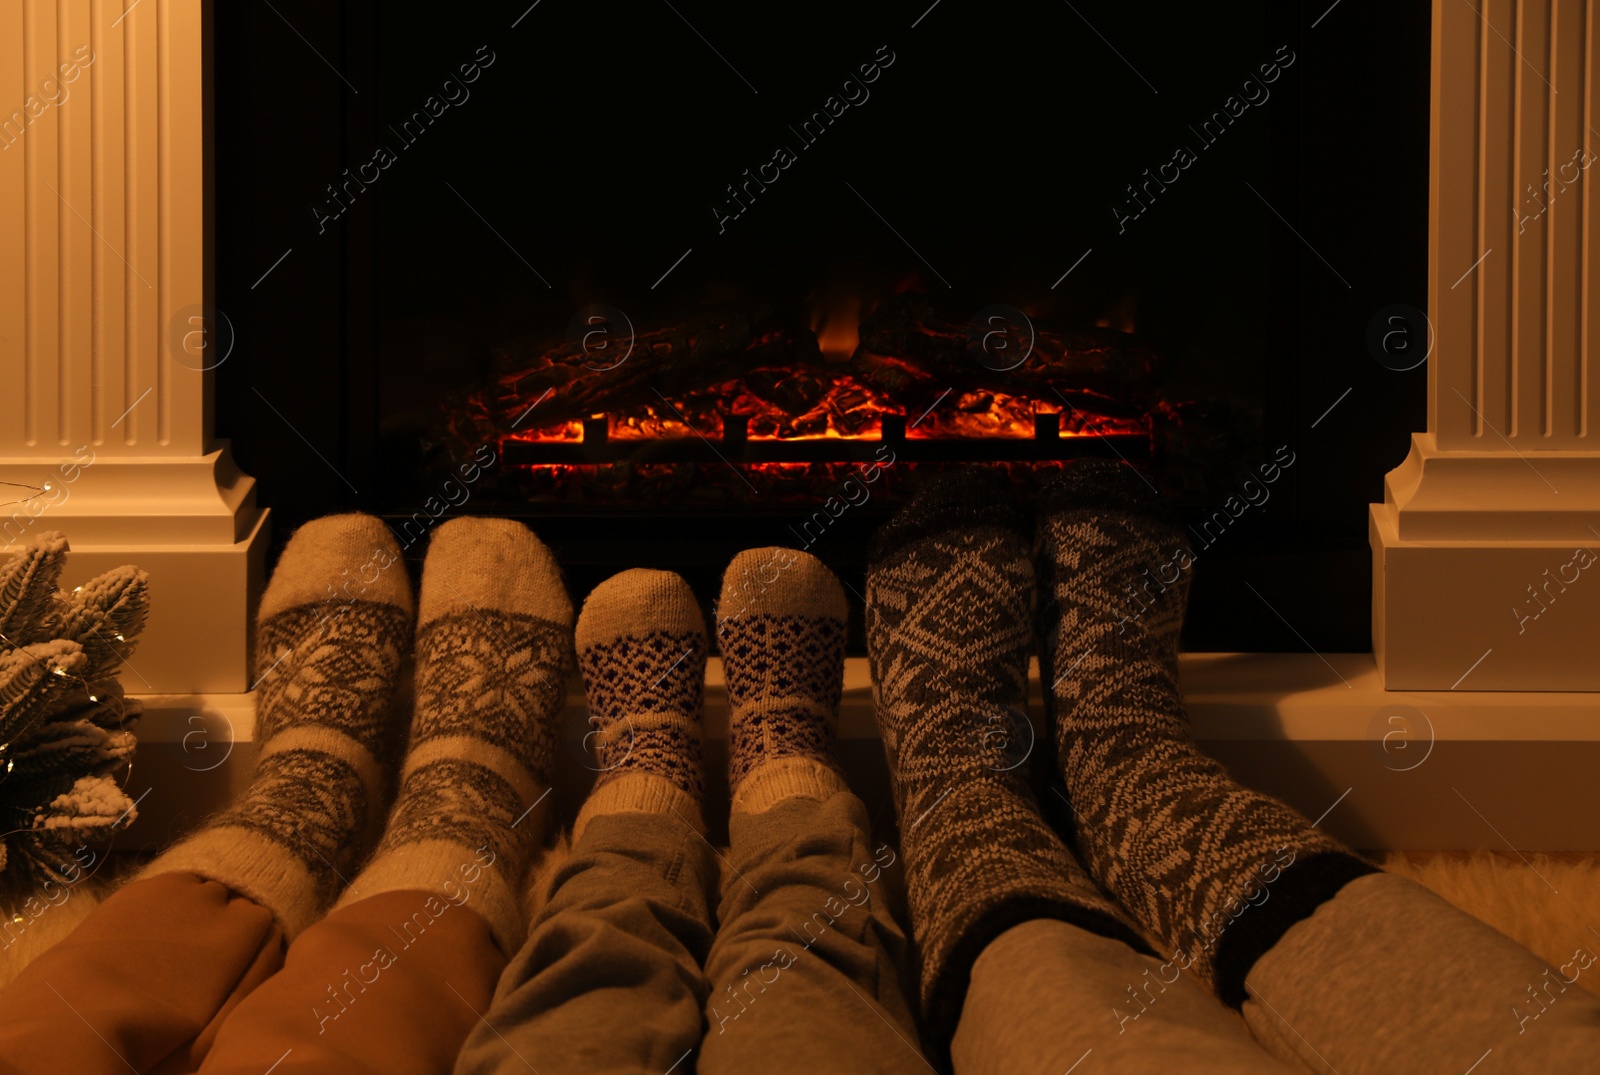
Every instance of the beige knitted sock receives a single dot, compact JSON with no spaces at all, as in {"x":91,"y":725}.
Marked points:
{"x":494,"y":646}
{"x":332,"y":632}
{"x":780,"y":626}
{"x":642,"y":650}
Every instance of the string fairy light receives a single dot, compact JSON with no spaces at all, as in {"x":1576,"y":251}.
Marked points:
{"x":38,"y":491}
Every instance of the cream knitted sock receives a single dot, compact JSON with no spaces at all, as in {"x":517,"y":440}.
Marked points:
{"x":642,"y":650}
{"x":494,"y":645}
{"x":328,"y":660}
{"x":780,"y":626}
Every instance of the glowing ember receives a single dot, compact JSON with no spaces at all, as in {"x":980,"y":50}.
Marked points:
{"x":738,"y":386}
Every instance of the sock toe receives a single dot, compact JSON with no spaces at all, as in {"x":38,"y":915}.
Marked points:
{"x":338,"y":558}
{"x":496,"y":564}
{"x":1100,"y":484}
{"x":618,"y":606}
{"x":783,"y":582}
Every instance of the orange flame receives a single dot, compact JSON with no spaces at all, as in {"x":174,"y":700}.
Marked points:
{"x":838,"y":327}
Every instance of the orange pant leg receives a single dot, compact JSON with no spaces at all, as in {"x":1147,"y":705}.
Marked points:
{"x":142,"y":984}
{"x":390,"y":984}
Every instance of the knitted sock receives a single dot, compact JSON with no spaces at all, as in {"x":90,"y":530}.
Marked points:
{"x":642,"y":651}
{"x":328,"y":658}
{"x":1218,"y":872}
{"x":949,"y":628}
{"x":780,"y":627}
{"x":494,"y":645}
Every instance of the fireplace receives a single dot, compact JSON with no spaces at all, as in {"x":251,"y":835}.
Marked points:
{"x":750,"y":288}
{"x":835,"y":246}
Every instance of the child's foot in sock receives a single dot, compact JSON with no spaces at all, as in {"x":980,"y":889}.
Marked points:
{"x":642,"y":651}
{"x":780,"y":627}
{"x":1200,"y":861}
{"x":494,"y":645}
{"x":950,"y":599}
{"x":329,"y":648}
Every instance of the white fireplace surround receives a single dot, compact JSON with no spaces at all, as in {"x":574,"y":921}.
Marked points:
{"x":1474,"y":724}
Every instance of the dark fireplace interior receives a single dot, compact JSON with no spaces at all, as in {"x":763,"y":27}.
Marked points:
{"x":669,"y":282}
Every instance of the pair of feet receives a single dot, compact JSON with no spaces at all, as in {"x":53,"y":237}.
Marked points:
{"x":492,"y":641}
{"x":960,"y":586}
{"x":642,"y":648}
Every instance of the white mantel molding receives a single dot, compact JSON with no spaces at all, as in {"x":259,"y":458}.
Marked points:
{"x":104,"y":356}
{"x":1478,"y":577}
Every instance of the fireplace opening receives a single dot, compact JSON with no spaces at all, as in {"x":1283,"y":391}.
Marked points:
{"x":736,"y":405}
{"x":668,"y":291}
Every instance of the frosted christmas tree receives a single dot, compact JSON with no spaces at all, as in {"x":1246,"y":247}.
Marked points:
{"x":65,"y":724}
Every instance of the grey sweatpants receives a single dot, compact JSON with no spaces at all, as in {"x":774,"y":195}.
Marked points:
{"x":623,"y":972}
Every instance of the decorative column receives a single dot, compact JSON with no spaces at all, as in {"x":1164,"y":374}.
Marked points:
{"x":1486,"y":549}
{"x":106,"y":343}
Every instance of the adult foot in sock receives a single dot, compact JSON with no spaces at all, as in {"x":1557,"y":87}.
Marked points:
{"x":494,"y":646}
{"x":642,"y":652}
{"x":1218,"y":872}
{"x":780,"y":627}
{"x":950,"y":602}
{"x":329,"y":649}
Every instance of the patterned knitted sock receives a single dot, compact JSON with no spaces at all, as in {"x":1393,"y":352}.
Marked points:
{"x":494,"y":645}
{"x":949,"y":628}
{"x":780,"y":627}
{"x":1218,"y":872}
{"x":332,"y":632}
{"x":642,"y":651}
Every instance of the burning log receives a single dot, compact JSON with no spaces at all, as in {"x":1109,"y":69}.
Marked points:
{"x":675,"y":361}
{"x":913,"y":352}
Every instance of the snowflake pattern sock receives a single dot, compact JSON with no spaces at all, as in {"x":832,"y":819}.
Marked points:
{"x":1217,"y":871}
{"x":950,"y":601}
{"x":328,"y":661}
{"x":642,"y":651}
{"x":494,"y":646}
{"x":780,"y":627}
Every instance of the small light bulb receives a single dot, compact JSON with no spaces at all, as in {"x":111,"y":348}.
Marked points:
{"x":45,"y":487}
{"x":92,"y":698}
{"x":60,"y":672}
{"x":121,"y":639}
